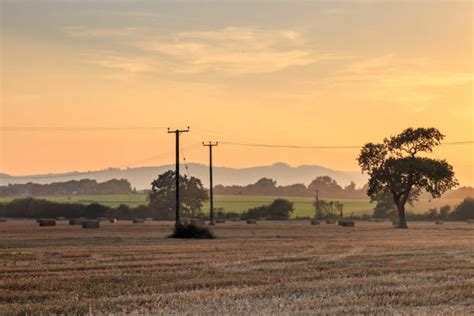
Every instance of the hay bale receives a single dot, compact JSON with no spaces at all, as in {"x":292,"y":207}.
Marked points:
{"x":113,"y":221}
{"x":330,"y":221}
{"x":220,"y":220}
{"x":439,"y":222}
{"x":315,"y":222}
{"x":347,"y":223}
{"x":251,"y":221}
{"x":197,"y":222}
{"x":91,"y":224}
{"x":75,"y":221}
{"x":44,"y":222}
{"x":138,"y":221}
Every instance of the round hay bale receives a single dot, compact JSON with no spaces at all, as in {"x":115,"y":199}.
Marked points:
{"x":220,"y":220}
{"x":439,"y":222}
{"x":44,"y":222}
{"x":113,"y":221}
{"x":91,"y":224}
{"x":315,"y":222}
{"x":251,"y":221}
{"x":138,"y":221}
{"x":75,"y":221}
{"x":197,"y":222}
{"x":347,"y":223}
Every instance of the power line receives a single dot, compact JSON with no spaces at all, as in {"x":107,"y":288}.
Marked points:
{"x":79,"y":174}
{"x":75,"y":129}
{"x":321,"y":147}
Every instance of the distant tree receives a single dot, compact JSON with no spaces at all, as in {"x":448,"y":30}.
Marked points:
{"x":162,"y":198}
{"x":432,"y":213}
{"x":328,"y":209}
{"x":444,"y":212}
{"x":326,"y":186}
{"x":464,"y":211}
{"x":394,"y":166}
{"x":263,"y":186}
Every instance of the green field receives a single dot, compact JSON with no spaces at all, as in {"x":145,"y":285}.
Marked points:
{"x":240,"y":203}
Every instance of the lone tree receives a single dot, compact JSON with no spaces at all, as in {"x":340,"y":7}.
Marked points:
{"x":385,"y":207}
{"x":162,"y":197}
{"x":395,"y":166}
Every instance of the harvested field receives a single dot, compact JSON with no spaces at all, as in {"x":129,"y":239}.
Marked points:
{"x":272,"y":267}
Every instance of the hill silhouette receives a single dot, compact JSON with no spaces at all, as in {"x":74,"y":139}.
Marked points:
{"x":141,"y":177}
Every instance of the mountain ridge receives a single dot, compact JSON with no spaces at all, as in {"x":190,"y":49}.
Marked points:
{"x":141,"y":177}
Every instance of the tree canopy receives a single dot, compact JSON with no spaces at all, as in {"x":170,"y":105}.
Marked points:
{"x":395,"y":166}
{"x":163,"y":195}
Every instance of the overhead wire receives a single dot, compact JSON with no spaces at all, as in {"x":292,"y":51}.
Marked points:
{"x":236,"y":142}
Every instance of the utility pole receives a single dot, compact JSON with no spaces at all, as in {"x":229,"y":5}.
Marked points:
{"x":318,"y":214}
{"x":211,"y":192}
{"x":177,"y":133}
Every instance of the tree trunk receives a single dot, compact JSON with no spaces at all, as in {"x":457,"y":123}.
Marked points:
{"x":402,"y":220}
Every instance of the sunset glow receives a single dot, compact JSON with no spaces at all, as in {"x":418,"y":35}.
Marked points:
{"x":89,"y":85}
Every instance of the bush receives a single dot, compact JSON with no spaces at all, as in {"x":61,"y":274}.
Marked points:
{"x":190,"y":231}
{"x":280,"y":209}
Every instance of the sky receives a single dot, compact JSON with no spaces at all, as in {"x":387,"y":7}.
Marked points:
{"x":88,"y":85}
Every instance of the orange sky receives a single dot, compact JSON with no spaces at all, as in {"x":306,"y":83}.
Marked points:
{"x":299,"y":73}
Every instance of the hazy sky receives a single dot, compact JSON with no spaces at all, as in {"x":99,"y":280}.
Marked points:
{"x":277,"y":72}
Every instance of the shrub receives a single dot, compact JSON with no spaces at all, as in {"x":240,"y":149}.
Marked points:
{"x":280,"y":209}
{"x":190,"y":231}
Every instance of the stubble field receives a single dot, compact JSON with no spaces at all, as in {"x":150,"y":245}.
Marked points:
{"x":241,"y":203}
{"x":267,"y":268}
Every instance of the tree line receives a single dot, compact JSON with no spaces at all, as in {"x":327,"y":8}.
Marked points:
{"x":324,"y":185}
{"x":73,"y":187}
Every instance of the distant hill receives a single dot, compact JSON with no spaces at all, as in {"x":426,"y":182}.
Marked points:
{"x":460,"y":193}
{"x":140,"y":178}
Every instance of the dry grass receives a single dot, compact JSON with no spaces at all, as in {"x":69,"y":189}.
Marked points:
{"x":262,"y":269}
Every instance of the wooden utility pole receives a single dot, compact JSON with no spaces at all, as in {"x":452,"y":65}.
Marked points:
{"x":177,"y":133}
{"x":318,"y":213}
{"x":211,"y":191}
